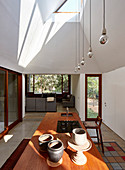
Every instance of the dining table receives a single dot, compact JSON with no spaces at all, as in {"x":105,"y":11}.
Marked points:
{"x":34,"y":159}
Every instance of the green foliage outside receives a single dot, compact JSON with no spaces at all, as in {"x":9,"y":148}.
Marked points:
{"x":30,"y":83}
{"x":93,"y":84}
{"x":92,"y":93}
{"x":48,"y":83}
{"x":91,"y":113}
{"x":65,"y":83}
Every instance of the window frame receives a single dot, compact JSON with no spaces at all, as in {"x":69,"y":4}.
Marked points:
{"x":57,"y":10}
{"x":19,"y":84}
{"x":100,"y":95}
{"x":32,"y":94}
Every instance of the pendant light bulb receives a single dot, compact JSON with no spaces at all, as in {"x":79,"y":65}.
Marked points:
{"x":78,"y":67}
{"x":90,"y":54}
{"x":83,"y":61}
{"x":104,"y":38}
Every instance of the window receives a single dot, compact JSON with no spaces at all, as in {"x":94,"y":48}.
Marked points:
{"x":2,"y":99}
{"x":48,"y":84}
{"x":10,"y":99}
{"x":65,"y":84}
{"x":93,"y":96}
{"x":70,"y":6}
{"x":30,"y":83}
{"x":38,"y":84}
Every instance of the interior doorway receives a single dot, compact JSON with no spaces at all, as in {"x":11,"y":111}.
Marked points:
{"x":93,"y":96}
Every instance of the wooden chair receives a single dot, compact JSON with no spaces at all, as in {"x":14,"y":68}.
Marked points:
{"x":95,"y":125}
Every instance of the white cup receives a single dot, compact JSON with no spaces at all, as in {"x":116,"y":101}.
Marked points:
{"x":79,"y":136}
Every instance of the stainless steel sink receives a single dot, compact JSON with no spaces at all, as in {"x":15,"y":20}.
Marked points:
{"x":65,"y":115}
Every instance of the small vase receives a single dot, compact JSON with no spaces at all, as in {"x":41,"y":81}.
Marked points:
{"x":55,"y":150}
{"x":44,"y":140}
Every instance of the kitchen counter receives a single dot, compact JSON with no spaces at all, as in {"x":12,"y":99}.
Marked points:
{"x":33,"y":159}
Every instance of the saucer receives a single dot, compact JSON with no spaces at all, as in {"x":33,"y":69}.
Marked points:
{"x":78,"y":157}
{"x":87,"y":146}
{"x":54,"y":164}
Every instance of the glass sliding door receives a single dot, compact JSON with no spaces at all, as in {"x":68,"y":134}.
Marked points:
{"x":12,"y":98}
{"x":2,"y":100}
{"x":93,"y":96}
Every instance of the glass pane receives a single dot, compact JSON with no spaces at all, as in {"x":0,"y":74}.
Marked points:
{"x":39,"y":87}
{"x":65,"y":84}
{"x":29,"y":83}
{"x":71,"y":6}
{"x":92,"y":97}
{"x":2,"y":100}
{"x":12,"y":98}
{"x":58,"y":84}
{"x":48,"y":84}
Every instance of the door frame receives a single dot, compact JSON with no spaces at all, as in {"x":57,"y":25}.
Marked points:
{"x":100,"y":95}
{"x":7,"y":128}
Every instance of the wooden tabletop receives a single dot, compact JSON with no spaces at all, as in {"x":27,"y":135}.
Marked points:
{"x":33,"y":159}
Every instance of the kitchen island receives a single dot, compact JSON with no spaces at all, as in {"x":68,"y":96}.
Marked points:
{"x":33,"y":158}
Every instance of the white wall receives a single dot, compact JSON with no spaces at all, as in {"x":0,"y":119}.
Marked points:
{"x":75,"y":81}
{"x":82,"y":97}
{"x":114,"y":96}
{"x":78,"y":90}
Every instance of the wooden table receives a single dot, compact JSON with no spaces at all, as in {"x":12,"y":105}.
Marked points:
{"x":33,"y":159}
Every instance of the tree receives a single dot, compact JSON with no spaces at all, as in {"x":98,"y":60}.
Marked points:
{"x":93,"y":84}
{"x":48,"y":83}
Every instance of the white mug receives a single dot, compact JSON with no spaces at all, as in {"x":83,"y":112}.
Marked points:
{"x":79,"y":136}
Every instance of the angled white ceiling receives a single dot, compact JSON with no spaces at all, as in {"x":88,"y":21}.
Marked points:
{"x":47,"y":7}
{"x":34,"y":32}
{"x":34,"y":27}
{"x":9,"y":32}
{"x":59,"y":54}
{"x":22,"y":32}
{"x":111,"y":55}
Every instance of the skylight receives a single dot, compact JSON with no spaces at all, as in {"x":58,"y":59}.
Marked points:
{"x":68,"y":12}
{"x":71,"y":6}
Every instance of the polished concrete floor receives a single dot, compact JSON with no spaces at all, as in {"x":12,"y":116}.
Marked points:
{"x":27,"y":128}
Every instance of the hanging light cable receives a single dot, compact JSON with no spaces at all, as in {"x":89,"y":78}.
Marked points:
{"x":78,"y":39}
{"x":83,"y":59}
{"x":76,"y":68}
{"x":104,"y":38}
{"x":90,"y":54}
{"x":76,"y":55}
{"x":78,"y":44}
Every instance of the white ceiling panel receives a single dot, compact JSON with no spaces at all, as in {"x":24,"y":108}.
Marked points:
{"x":22,"y":33}
{"x":47,"y":7}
